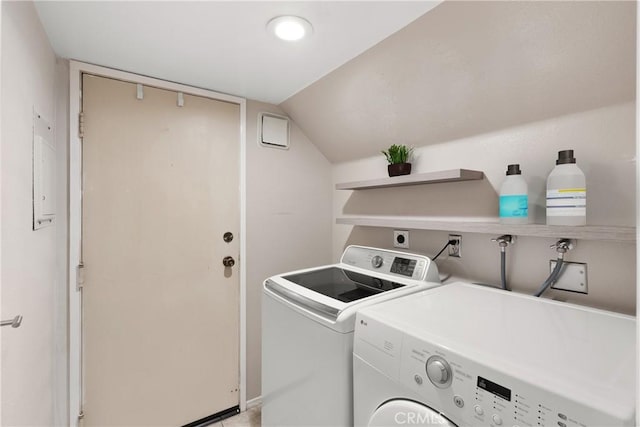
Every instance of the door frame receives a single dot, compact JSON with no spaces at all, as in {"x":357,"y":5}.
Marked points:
{"x":76,"y":69}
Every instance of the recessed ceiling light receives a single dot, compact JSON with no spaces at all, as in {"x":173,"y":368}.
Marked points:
{"x":290,"y":28}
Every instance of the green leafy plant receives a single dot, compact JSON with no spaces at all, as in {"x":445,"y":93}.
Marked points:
{"x":398,"y":154}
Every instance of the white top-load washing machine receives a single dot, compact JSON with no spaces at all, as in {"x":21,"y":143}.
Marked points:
{"x":307,"y":331}
{"x":465,"y":355}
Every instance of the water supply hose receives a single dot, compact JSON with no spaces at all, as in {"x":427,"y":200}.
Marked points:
{"x":553,"y":277}
{"x":562,"y":247}
{"x":504,"y":241}
{"x":503,"y":268}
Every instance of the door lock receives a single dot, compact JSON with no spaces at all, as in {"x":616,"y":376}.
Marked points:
{"x":227,"y":237}
{"x":228,"y":261}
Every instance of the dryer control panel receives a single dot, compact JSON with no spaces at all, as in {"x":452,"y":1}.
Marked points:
{"x":473,"y":394}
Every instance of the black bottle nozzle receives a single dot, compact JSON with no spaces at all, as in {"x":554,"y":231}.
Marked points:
{"x":513,"y":170}
{"x":565,"y":156}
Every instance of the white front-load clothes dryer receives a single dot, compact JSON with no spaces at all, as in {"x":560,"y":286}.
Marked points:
{"x":465,"y":355}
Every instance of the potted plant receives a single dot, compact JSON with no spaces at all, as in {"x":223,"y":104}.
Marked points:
{"x":398,"y":158}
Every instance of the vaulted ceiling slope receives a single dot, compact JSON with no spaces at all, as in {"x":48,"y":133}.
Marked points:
{"x":467,"y":68}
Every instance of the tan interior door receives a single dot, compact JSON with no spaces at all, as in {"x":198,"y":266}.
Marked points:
{"x":160,"y":311}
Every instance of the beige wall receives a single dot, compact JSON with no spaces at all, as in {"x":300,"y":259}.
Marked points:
{"x":604,"y":144}
{"x":480,"y":85}
{"x":33,"y":267}
{"x":288,"y":220}
{"x":471,"y":67}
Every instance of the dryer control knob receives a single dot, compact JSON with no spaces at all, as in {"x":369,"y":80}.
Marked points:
{"x":377,"y":261}
{"x":439,"y":372}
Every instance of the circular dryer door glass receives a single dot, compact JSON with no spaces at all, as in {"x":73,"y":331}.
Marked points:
{"x":407,"y":413}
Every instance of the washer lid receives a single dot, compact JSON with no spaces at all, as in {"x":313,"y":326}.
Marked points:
{"x":400,"y":412}
{"x":342,"y":284}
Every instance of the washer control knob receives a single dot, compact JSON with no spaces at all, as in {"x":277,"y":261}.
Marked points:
{"x":377,"y":261}
{"x":497,"y":419}
{"x":439,"y":372}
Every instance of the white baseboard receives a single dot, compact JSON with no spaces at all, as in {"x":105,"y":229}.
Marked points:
{"x":256,"y":401}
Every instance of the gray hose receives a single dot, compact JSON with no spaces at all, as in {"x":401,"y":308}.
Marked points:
{"x":503,"y":268}
{"x":552,"y":277}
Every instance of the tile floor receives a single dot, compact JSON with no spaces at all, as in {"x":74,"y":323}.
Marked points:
{"x":250,"y":418}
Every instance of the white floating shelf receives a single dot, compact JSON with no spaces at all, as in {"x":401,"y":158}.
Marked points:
{"x":587,"y":232}
{"x":413,"y":179}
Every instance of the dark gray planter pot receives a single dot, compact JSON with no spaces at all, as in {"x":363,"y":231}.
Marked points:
{"x":397,"y":169}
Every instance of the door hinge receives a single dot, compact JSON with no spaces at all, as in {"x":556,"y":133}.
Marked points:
{"x":81,"y":125}
{"x":79,"y":277}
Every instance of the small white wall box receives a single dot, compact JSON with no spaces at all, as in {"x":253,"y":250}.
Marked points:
{"x":44,"y":173}
{"x":273,"y":130}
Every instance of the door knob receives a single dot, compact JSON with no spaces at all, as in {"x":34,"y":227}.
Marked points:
{"x":228,"y":261}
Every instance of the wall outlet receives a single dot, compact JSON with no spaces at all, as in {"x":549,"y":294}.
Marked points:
{"x":401,"y":239}
{"x":573,"y":277}
{"x":455,"y":250}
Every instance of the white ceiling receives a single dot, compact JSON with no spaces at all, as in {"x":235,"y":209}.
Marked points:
{"x":222,"y":45}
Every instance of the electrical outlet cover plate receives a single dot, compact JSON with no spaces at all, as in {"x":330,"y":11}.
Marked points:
{"x":401,"y":239}
{"x":573,"y":277}
{"x":455,"y":250}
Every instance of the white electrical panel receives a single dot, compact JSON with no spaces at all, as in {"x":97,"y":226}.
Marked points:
{"x":44,"y":173}
{"x":274,"y":130}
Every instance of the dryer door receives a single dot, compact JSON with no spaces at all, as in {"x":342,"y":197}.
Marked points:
{"x":401,"y":412}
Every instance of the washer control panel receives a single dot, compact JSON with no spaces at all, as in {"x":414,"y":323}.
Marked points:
{"x":401,"y":264}
{"x":469,"y":393}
